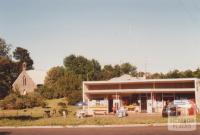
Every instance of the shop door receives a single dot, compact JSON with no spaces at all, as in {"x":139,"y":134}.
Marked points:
{"x":110,"y":105}
{"x":144,"y":104}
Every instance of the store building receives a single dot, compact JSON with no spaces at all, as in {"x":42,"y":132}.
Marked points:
{"x":139,"y":94}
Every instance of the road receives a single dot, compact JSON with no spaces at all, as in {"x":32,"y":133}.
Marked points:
{"x":96,"y":131}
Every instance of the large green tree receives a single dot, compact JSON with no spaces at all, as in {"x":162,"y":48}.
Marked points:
{"x":117,"y":71}
{"x":94,"y":70}
{"x":5,"y":68}
{"x":107,"y":72}
{"x":156,"y":76}
{"x":53,"y":75}
{"x":4,"y":48}
{"x":83,"y":67}
{"x":110,"y":71}
{"x":177,"y":74}
{"x":60,"y":82}
{"x":196,"y":73}
{"x":22,"y":55}
{"x":5,"y":76}
{"x":127,"y":68}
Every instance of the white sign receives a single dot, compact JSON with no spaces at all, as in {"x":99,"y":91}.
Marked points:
{"x":182,"y":103}
{"x":149,"y":106}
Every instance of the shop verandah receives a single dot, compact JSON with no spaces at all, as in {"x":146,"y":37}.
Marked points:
{"x":135,"y":102}
{"x":138,"y":95}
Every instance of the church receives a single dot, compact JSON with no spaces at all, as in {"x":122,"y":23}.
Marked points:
{"x":29,"y":80}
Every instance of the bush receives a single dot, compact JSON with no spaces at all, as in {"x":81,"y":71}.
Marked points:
{"x":61,"y":104}
{"x":20,"y":104}
{"x":33,"y":100}
{"x":74,"y":97}
{"x":9,"y":101}
{"x":46,"y":92}
{"x":15,"y":101}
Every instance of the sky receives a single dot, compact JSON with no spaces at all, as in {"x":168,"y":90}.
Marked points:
{"x":161,"y":35}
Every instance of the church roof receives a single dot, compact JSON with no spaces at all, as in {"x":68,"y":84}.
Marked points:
{"x":37,"y":76}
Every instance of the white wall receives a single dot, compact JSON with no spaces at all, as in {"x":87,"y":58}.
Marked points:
{"x":18,"y":84}
{"x":197,"y":94}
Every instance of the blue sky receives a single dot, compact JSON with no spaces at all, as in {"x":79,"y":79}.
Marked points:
{"x":165,"y":34}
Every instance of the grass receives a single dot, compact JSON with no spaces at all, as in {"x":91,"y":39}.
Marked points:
{"x":34,"y":117}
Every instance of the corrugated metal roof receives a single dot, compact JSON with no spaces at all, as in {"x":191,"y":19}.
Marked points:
{"x":37,"y":76}
{"x":126,"y":77}
{"x":142,"y":81}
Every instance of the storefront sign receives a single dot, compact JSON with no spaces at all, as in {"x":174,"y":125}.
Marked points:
{"x":182,"y":103}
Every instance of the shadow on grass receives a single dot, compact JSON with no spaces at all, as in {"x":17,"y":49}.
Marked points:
{"x":22,"y":118}
{"x":5,"y":133}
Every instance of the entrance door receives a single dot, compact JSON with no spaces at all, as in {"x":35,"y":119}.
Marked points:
{"x":144,"y":104}
{"x":110,"y":105}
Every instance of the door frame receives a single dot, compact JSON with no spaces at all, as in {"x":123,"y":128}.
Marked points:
{"x":110,"y":105}
{"x":145,"y":104}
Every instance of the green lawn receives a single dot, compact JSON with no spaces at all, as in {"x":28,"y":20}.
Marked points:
{"x":22,"y":118}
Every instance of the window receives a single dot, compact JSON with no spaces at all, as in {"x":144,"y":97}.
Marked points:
{"x":24,"y":80}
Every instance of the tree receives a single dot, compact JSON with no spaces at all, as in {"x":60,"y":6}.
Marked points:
{"x":60,"y":82}
{"x":22,"y":55}
{"x":68,"y":84}
{"x":4,"y":48}
{"x":117,"y":71}
{"x":83,"y":67}
{"x":156,"y":76}
{"x":5,"y":68}
{"x":53,"y":75}
{"x":94,"y":72}
{"x":174,"y":74}
{"x":127,"y":68}
{"x":187,"y":74}
{"x":69,"y":62}
{"x":196,"y":73}
{"x":5,"y":81}
{"x":107,"y":72}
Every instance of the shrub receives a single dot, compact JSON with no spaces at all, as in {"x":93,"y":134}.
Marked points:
{"x":46,"y":92}
{"x":33,"y":100}
{"x":20,"y":104}
{"x":74,"y":97}
{"x":61,"y":104}
{"x":15,"y":101}
{"x":9,"y":101}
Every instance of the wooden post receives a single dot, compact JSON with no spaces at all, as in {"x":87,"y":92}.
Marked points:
{"x":162,"y":101}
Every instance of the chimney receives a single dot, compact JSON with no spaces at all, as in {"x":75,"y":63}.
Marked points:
{"x":24,"y":66}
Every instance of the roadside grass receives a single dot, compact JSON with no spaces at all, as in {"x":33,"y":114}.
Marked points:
{"x":71,"y":120}
{"x":34,"y":117}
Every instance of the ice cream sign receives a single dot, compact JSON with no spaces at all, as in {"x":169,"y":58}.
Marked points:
{"x":182,"y":103}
